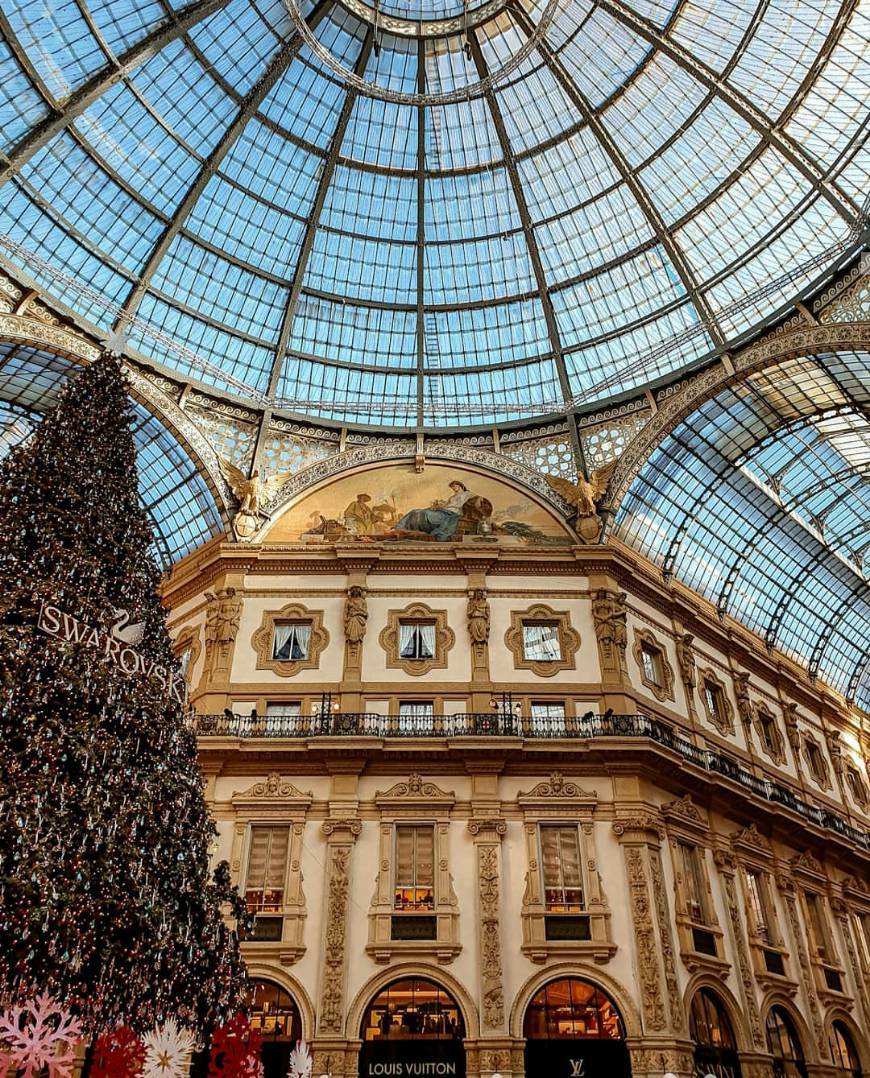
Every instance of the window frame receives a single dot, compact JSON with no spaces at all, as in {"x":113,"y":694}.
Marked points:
{"x":416,"y":906}
{"x":564,"y":906}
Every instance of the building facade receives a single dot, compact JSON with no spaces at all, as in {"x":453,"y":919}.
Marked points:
{"x":507,"y":803}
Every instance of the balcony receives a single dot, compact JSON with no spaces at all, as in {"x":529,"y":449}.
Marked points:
{"x":489,"y":724}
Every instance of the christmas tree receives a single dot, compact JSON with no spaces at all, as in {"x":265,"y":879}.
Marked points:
{"x":107,"y":900}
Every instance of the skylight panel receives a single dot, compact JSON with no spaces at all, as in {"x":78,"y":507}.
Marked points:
{"x":382,"y":133}
{"x":488,"y":269}
{"x":22,"y":106}
{"x":603,"y":56}
{"x":545,"y":175}
{"x":491,"y":396}
{"x":534,"y":108}
{"x":362,"y":269}
{"x":462,"y":206}
{"x":124,"y":23}
{"x":352,"y":394}
{"x":237,"y":44}
{"x":712,"y":29}
{"x":371,"y":204}
{"x":57,"y":41}
{"x":305,"y":102}
{"x":274,"y":169}
{"x":477,"y":337}
{"x":352,"y":334}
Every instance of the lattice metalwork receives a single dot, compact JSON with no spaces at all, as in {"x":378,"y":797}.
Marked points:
{"x":283,"y":451}
{"x":604,"y":444}
{"x":553,"y":454}
{"x":231,"y":438}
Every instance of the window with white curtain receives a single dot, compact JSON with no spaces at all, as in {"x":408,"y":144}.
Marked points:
{"x":416,"y":709}
{"x":291,"y":641}
{"x":561,"y":868}
{"x":547,"y":714}
{"x":267,"y":868}
{"x":541,"y":641}
{"x":417,"y":639}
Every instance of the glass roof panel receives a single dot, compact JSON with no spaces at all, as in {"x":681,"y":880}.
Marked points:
{"x":172,"y":170}
{"x":759,"y":501}
{"x":479,"y":337}
{"x":502,"y":394}
{"x":354,"y":335}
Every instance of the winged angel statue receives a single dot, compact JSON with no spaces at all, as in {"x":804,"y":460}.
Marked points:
{"x":252,"y":493}
{"x":584,"y":495}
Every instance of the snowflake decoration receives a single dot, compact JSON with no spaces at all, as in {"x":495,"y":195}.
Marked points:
{"x":118,"y":1054}
{"x":166,"y":1051}
{"x":235,"y":1050}
{"x":40,"y":1034}
{"x":301,"y":1063}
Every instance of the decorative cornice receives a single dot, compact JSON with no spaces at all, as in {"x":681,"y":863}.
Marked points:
{"x":273,"y":788}
{"x":751,"y":838}
{"x":415,"y":789}
{"x":806,"y":862}
{"x":557,"y":787}
{"x":685,"y":809}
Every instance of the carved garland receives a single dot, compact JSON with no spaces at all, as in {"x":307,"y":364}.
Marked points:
{"x":340,"y":835}
{"x":664,"y":690}
{"x":569,"y":640}
{"x":262,"y":639}
{"x":390,"y":639}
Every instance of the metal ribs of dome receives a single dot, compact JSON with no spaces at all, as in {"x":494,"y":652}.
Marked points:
{"x":654,"y":181}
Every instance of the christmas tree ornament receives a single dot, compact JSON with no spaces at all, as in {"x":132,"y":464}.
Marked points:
{"x":117,"y":1054}
{"x":235,"y":1050}
{"x":39,"y":1035}
{"x":301,"y":1062}
{"x":167,"y":1051}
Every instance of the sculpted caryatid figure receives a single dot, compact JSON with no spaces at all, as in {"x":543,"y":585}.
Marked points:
{"x":610,"y":614}
{"x":478,"y":617}
{"x":686,"y":659}
{"x":222,"y":616}
{"x":356,"y":613}
{"x":744,"y":703}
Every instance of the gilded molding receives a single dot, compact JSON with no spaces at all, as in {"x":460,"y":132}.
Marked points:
{"x":390,"y":639}
{"x":569,"y":640}
{"x":261,"y":641}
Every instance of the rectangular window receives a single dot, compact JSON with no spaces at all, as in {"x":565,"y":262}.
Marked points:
{"x":817,"y":930}
{"x":547,"y":712}
{"x":766,"y":722}
{"x":756,"y":890}
{"x":562,"y":869}
{"x":289,"y":710}
{"x":652,"y":664}
{"x":291,"y":641}
{"x":856,"y":785}
{"x":416,"y":709}
{"x":715,"y":703}
{"x":267,"y":869}
{"x":415,"y":868}
{"x":184,"y":661}
{"x":541,"y":641}
{"x":696,"y":887}
{"x":864,"y":932}
{"x":282,"y":719}
{"x":417,"y":639}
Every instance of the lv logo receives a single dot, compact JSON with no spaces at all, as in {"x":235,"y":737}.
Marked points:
{"x":577,"y":1068}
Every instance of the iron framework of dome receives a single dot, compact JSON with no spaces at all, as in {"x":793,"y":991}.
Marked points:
{"x":525,"y":224}
{"x":651,"y":182}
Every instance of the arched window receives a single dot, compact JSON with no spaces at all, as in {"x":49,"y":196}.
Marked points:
{"x":711,"y":1030}
{"x":569,"y":1009}
{"x":571,"y":1027}
{"x":784,"y":1045}
{"x":413,"y":1009}
{"x":273,"y":1012}
{"x":843,"y":1050}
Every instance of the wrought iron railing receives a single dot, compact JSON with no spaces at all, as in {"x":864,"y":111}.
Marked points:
{"x":489,"y":724}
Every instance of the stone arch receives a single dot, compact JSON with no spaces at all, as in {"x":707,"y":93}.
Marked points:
{"x":860,"y":1039}
{"x":260,"y":971}
{"x":612,"y":988}
{"x":775,"y":998}
{"x":792,"y":344}
{"x":729,"y":1003}
{"x":397,"y":972}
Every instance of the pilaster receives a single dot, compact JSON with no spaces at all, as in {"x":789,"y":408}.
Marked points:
{"x":341,"y":835}
{"x":487,"y":834}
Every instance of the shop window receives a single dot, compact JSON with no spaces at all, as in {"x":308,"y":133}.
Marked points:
{"x":562,"y":869}
{"x":417,"y":640}
{"x":843,"y":1051}
{"x":291,"y":641}
{"x":784,"y":1045}
{"x":415,"y":869}
{"x":570,"y":1009}
{"x":273,"y":1014}
{"x":713,"y":1037}
{"x":541,"y":641}
{"x":410,"y":1010}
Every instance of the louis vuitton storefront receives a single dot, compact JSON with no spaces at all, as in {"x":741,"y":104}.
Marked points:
{"x":413,"y":1028}
{"x":573,"y":1030}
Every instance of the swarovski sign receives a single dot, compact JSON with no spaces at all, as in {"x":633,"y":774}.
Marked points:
{"x":113,"y":647}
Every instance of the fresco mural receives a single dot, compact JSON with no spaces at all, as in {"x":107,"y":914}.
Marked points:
{"x":443,"y":504}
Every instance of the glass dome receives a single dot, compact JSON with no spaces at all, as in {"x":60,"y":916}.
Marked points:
{"x":429,"y":213}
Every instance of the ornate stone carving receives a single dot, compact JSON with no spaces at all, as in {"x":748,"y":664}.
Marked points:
{"x":854,"y":965}
{"x":479,"y":826}
{"x":806,"y":975}
{"x":686,"y":661}
{"x":666,"y":941}
{"x":356,"y":613}
{"x":610,"y":616}
{"x":274,"y":787}
{"x":806,"y":861}
{"x":557,"y":786}
{"x":569,"y":640}
{"x":390,"y":639}
{"x":741,"y":948}
{"x":262,"y":640}
{"x":792,"y":730}
{"x":415,"y":788}
{"x":686,"y":809}
{"x":663,"y":688}
{"x":744,"y":702}
{"x":222,"y":615}
{"x":478,"y":617}
{"x":752,"y":837}
{"x":340,"y":835}
{"x":627,"y":827}
{"x":645,"y":941}
{"x":492,"y":988}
